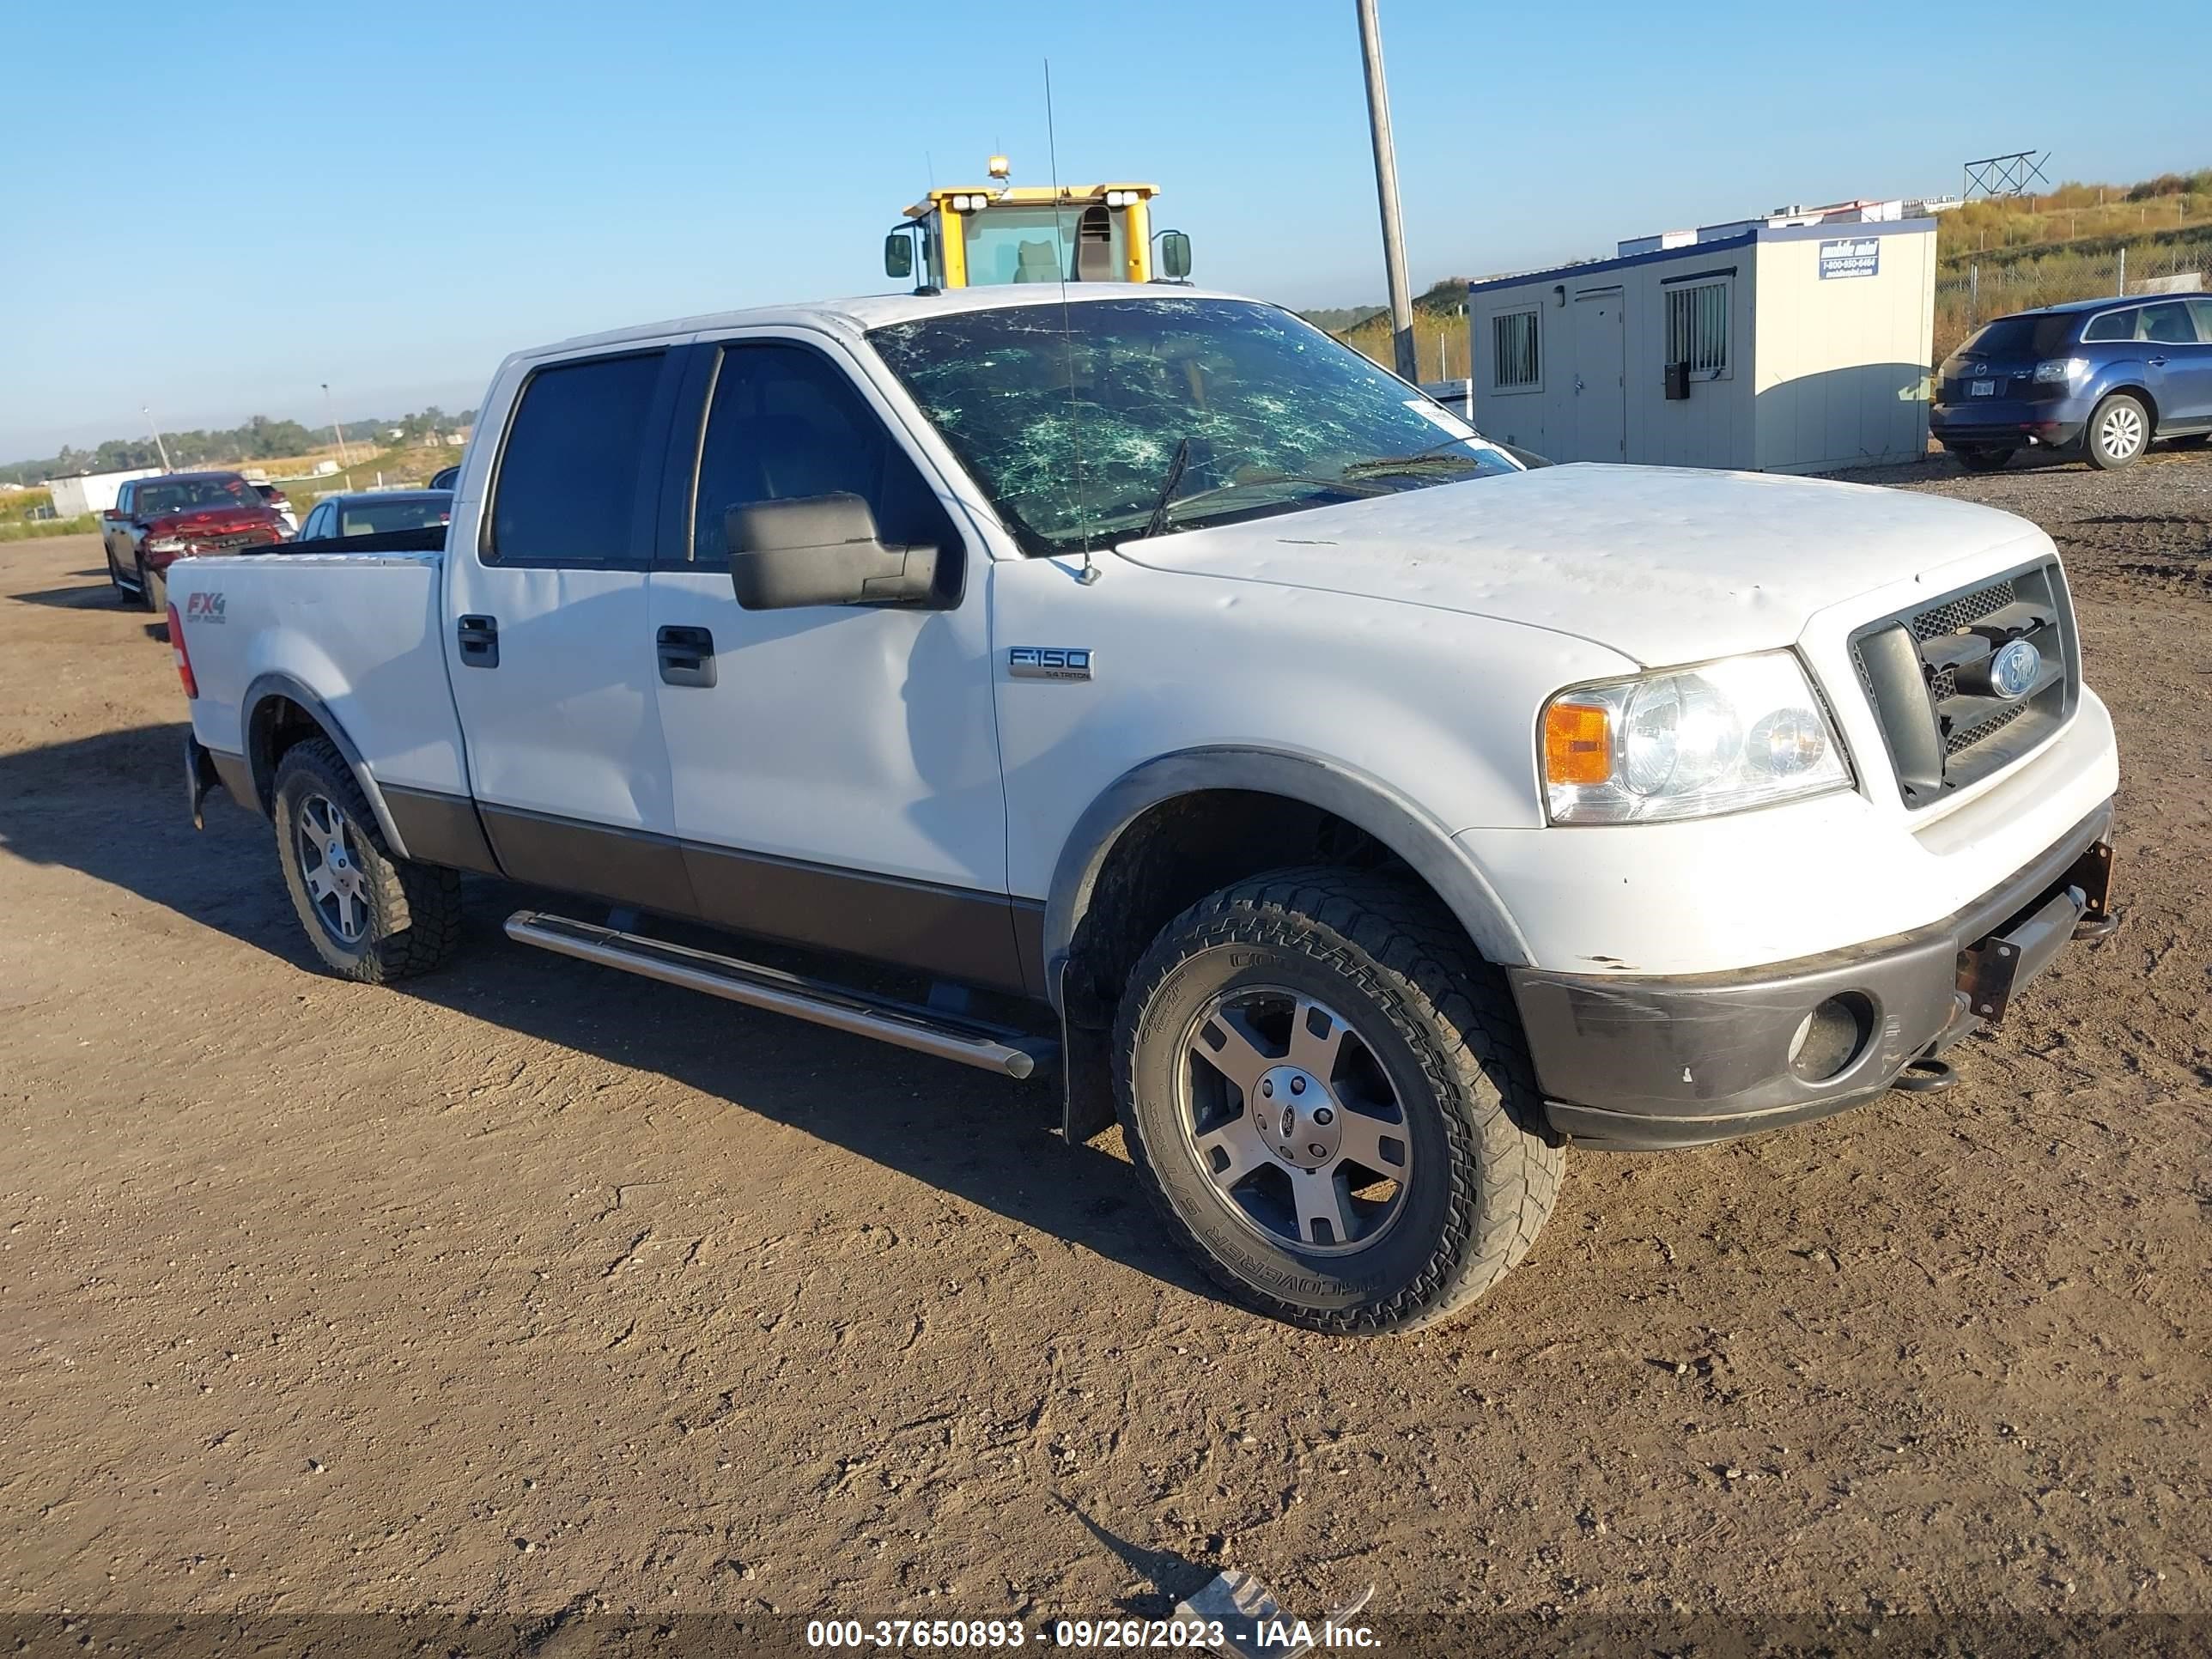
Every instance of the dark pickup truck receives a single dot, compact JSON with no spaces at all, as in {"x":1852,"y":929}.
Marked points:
{"x":156,"y":521}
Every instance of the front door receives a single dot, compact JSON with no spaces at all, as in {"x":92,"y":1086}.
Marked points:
{"x":837,"y":767}
{"x":548,"y":641}
{"x":1601,"y":378}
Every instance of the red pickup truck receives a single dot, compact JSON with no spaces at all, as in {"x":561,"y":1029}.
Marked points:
{"x":156,"y":521}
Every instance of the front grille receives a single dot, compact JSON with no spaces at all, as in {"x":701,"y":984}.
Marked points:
{"x":235,"y":539}
{"x":1925,"y":672}
{"x":1964,"y":612}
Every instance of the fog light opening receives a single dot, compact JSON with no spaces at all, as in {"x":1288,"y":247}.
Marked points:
{"x":1831,"y":1037}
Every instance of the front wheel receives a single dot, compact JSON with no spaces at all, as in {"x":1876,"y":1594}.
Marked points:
{"x":2120,"y":431}
{"x":153,"y":587}
{"x":370,"y":916}
{"x":1327,"y":1093}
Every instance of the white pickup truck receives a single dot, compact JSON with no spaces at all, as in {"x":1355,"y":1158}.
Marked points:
{"x":1142,"y":684}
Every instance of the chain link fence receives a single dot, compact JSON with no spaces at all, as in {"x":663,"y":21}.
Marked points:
{"x":1996,"y":288}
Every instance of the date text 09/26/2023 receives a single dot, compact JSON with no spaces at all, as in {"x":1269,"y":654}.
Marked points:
{"x":1264,"y":1635}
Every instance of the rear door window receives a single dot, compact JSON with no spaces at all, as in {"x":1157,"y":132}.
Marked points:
{"x":572,"y":476}
{"x":2112,"y":325}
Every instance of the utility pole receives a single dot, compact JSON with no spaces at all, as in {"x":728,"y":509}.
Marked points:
{"x":330,"y":410}
{"x":160,"y":449}
{"x":1386,"y":190}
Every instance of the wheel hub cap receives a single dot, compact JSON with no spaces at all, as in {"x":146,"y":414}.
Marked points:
{"x":1297,"y":1117}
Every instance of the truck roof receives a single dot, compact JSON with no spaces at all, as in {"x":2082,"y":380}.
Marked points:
{"x":861,"y":313}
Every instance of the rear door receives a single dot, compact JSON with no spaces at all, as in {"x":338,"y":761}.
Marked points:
{"x":837,"y":767}
{"x":548,"y":641}
{"x":2179,"y":348}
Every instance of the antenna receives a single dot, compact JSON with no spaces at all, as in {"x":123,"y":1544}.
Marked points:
{"x":1067,"y":325}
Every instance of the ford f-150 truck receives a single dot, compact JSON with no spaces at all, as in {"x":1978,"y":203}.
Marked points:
{"x":1139,"y":683}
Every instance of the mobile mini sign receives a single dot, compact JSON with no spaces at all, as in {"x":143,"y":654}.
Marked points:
{"x":1853,"y":256}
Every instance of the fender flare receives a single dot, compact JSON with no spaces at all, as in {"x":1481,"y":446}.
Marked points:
{"x":1357,"y":797}
{"x":267,"y":686}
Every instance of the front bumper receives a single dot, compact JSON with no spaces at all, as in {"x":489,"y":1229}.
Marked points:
{"x":1643,"y":1063}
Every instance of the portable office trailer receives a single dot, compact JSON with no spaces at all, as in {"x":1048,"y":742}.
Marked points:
{"x":93,"y":492}
{"x":1795,"y":348}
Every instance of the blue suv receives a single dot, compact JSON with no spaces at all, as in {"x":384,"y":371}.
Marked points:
{"x":2100,"y":379}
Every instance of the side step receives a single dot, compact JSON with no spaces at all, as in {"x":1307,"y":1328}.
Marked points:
{"x":995,"y":1049}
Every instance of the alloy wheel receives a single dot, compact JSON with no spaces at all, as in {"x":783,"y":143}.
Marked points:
{"x":1286,"y":1109}
{"x":329,"y":848}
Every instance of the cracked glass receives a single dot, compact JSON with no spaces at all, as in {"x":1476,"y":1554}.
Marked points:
{"x":1091,"y":420}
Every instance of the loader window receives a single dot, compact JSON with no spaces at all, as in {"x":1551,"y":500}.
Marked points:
{"x":1040,"y":244}
{"x":784,"y":422}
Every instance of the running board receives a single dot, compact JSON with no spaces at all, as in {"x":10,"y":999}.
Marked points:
{"x":995,"y":1049}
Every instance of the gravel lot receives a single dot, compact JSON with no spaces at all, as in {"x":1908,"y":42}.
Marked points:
{"x":537,"y":1289}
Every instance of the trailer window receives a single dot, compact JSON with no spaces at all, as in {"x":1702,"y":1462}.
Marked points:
{"x":1698,"y":328}
{"x":1514,"y":365}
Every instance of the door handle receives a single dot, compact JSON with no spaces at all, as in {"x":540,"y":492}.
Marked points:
{"x":687,"y":656}
{"x":479,"y":638}
{"x":2158,"y":362}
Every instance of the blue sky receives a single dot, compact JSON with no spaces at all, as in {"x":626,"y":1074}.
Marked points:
{"x":219,"y":206}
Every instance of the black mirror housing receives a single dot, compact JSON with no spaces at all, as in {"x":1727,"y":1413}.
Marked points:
{"x":1174,"y":255}
{"x":822,"y":549}
{"x":898,"y":254}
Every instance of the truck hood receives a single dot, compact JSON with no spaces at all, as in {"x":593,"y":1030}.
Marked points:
{"x":1662,"y":564}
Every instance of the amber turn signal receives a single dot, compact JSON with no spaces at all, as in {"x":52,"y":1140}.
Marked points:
{"x":1578,"y":747}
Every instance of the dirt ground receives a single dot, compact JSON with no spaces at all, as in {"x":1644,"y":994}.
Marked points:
{"x":537,"y":1289}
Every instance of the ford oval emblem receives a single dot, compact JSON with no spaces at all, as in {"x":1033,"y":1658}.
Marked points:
{"x":2014,"y":669}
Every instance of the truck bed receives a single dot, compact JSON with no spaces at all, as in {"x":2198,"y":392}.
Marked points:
{"x":365,"y":630}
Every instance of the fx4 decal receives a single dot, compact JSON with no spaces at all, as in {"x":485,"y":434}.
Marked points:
{"x":204,"y":607}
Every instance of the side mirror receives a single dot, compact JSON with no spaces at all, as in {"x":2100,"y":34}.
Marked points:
{"x":1174,"y":255}
{"x":821,"y":550}
{"x":898,"y":254}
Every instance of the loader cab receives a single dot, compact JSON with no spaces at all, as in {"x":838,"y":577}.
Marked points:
{"x":988,"y":235}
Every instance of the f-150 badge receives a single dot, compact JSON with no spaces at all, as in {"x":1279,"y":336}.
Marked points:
{"x":1048,"y":662}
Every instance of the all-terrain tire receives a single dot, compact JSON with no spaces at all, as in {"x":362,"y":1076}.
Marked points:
{"x":2119,"y":432}
{"x":413,"y":911}
{"x":1984,"y":459}
{"x":152,"y":589}
{"x":1440,"y":1024}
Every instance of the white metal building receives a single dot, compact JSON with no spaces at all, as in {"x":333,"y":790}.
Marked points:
{"x":92,"y":492}
{"x":1768,"y":347}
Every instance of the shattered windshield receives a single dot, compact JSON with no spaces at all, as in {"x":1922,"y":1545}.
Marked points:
{"x":1111,"y":418}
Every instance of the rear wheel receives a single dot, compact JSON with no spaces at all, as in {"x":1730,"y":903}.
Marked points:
{"x":1327,"y":1093}
{"x":1984,"y":459}
{"x":2120,"y":431}
{"x":370,"y":916}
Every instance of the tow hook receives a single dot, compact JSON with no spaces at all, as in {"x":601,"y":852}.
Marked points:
{"x":2097,"y":928}
{"x":1925,"y":1076}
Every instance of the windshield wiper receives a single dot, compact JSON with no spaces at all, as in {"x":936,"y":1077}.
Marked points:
{"x":1447,"y":453}
{"x":1158,"y":521}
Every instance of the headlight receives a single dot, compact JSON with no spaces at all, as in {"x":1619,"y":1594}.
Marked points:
{"x":1689,"y":744}
{"x":164,"y":543}
{"x":2059,"y":370}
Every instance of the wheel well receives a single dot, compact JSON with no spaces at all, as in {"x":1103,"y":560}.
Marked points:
{"x":2141,"y":395}
{"x":277,"y":723}
{"x":1176,"y":852}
